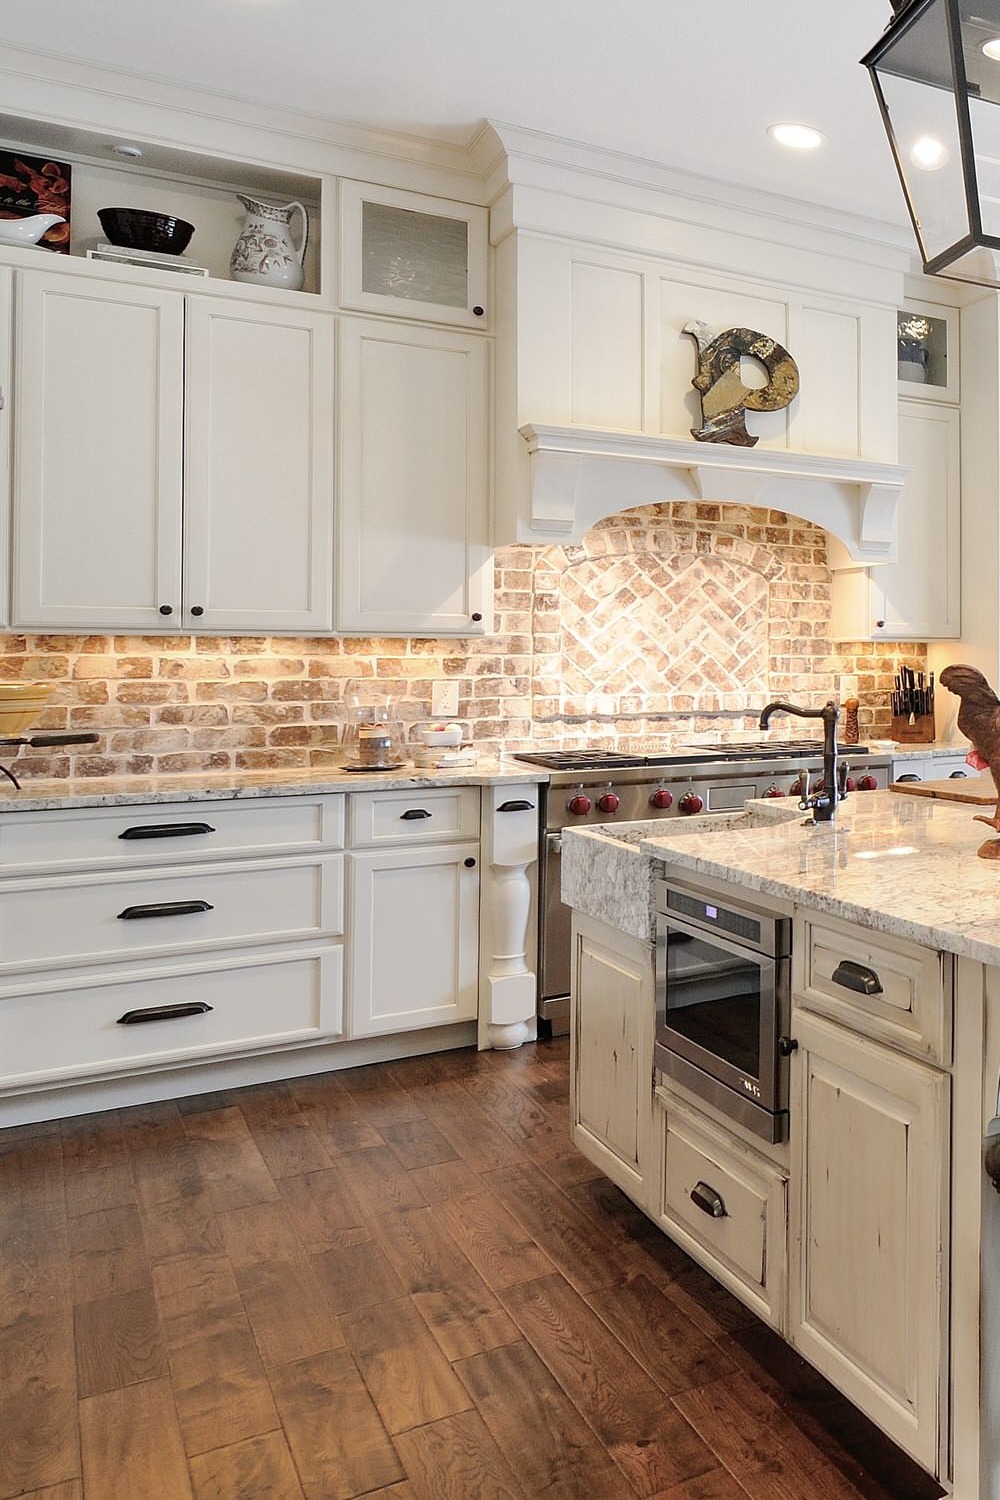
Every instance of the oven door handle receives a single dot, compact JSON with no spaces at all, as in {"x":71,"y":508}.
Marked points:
{"x":709,"y":1201}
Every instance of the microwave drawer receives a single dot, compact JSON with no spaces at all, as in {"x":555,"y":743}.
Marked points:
{"x":882,"y":987}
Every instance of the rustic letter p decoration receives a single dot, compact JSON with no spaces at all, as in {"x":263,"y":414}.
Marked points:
{"x":719,"y":381}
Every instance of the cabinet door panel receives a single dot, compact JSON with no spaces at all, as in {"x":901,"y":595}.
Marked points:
{"x":869,"y":1208}
{"x":414,"y":491}
{"x":413,"y":938}
{"x":99,"y":453}
{"x":6,"y":417}
{"x":258,"y":480}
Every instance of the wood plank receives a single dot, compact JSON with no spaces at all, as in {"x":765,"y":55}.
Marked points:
{"x":224,"y":1407}
{"x":131,"y":1444}
{"x":336,"y":1436}
{"x":410,"y":1380}
{"x":283,"y":1134}
{"x":231,"y":1165}
{"x":107,"y":1253}
{"x":664,"y":1340}
{"x":378,"y":1096}
{"x":288,"y":1308}
{"x":31,"y":1178}
{"x":568,"y":1237}
{"x":469,"y":1129}
{"x":204,"y":1322}
{"x":357,"y":1273}
{"x":452,"y":1298}
{"x":445,"y":1179}
{"x":261,"y":1231}
{"x":378,"y":1181}
{"x":652,"y":1444}
{"x":753,"y":1437}
{"x":528,"y":1414}
{"x":334,"y":1114}
{"x":498,"y":1246}
{"x":320,"y":1206}
{"x":35,"y":1263}
{"x":97,"y":1164}
{"x":261,"y":1466}
{"x":418,"y":1143}
{"x":71,"y":1490}
{"x":455,"y":1458}
{"x":38,"y":1405}
{"x":973,"y":789}
{"x":118,"y":1342}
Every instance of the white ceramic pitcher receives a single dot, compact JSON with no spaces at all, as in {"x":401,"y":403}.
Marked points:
{"x":265,"y":251}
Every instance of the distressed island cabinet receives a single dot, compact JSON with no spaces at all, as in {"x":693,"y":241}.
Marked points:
{"x":173,"y":466}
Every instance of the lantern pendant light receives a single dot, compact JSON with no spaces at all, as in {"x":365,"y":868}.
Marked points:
{"x":936,"y":72}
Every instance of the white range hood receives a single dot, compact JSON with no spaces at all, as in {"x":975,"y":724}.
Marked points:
{"x":578,"y":475}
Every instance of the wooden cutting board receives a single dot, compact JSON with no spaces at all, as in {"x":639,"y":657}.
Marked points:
{"x":977,"y":789}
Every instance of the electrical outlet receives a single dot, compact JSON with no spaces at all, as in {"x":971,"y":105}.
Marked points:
{"x":444,"y":700}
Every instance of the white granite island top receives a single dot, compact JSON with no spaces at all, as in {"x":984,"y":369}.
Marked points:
{"x":224,"y":786}
{"x":896,"y":864}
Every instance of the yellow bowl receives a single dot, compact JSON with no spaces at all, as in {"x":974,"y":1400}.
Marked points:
{"x":20,"y":705}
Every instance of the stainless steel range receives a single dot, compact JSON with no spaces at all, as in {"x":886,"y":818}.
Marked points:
{"x":608,"y":786}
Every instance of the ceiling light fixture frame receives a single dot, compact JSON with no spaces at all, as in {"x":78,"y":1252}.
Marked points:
{"x":954,"y":237}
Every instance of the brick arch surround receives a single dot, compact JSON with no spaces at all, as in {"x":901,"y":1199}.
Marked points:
{"x":688,"y":610}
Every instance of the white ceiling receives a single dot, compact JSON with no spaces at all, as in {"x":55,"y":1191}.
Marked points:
{"x":690,"y":84}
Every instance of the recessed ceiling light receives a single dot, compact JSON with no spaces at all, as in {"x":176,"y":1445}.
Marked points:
{"x":928,"y":154}
{"x":991,"y":49}
{"x":126,"y":152}
{"x":797,"y":137}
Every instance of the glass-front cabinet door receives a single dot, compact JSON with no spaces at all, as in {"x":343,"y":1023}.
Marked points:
{"x":414,"y":256}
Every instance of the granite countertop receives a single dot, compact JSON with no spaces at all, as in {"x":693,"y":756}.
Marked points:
{"x":221,"y":786}
{"x":902,"y":865}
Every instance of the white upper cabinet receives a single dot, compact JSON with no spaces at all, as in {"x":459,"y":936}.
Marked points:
{"x":917,"y":597}
{"x":412,"y":255}
{"x":125,"y":517}
{"x":413,"y":548}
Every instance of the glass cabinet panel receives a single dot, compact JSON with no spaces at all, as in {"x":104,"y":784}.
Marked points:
{"x":412,"y":255}
{"x":927,"y":351}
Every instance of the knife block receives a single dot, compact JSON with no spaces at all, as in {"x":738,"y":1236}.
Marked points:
{"x":920,"y":732}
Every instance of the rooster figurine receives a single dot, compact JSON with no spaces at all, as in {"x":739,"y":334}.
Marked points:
{"x":979,"y":721}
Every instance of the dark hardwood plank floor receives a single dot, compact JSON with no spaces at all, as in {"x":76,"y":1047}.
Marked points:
{"x":399,"y":1281}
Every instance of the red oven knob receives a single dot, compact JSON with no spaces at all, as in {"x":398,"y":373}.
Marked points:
{"x":662,"y":799}
{"x":867,"y":783}
{"x":579,"y":805}
{"x":609,"y":802}
{"x":773,"y":791}
{"x":850,"y":785}
{"x":690,"y":803}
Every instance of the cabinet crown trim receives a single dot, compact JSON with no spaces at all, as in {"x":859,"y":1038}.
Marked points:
{"x":581,"y":474}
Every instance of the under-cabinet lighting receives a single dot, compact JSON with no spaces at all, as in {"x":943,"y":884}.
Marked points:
{"x":899,"y":850}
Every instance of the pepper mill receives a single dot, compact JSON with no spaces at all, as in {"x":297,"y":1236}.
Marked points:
{"x":852,"y":733}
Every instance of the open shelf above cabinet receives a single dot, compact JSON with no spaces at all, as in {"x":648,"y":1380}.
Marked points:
{"x":186,"y":184}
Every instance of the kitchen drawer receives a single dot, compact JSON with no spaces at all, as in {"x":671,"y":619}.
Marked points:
{"x":417,"y":815}
{"x":168,"y":832}
{"x":98,"y":918}
{"x":744,"y":1241}
{"x":911,"y":1003}
{"x":74,"y":1029}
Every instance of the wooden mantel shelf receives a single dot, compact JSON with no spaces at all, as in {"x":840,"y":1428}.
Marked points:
{"x":580,"y":474}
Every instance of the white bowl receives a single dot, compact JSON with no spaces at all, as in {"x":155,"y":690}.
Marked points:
{"x":441,"y":734}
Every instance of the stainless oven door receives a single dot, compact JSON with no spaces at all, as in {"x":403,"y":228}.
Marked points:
{"x":721,"y":1007}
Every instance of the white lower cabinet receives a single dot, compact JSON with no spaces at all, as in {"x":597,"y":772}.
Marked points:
{"x":413,"y":909}
{"x":144,"y":937}
{"x":611,"y":1037}
{"x":869,"y":1203}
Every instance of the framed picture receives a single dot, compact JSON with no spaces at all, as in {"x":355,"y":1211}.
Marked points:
{"x":32,"y":185}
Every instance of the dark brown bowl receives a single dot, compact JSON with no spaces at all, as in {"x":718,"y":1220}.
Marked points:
{"x":141,"y":229}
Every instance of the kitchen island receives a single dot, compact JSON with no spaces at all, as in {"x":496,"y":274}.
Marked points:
{"x":870,"y":1238}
